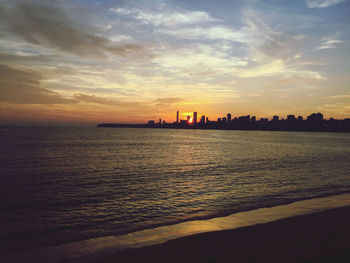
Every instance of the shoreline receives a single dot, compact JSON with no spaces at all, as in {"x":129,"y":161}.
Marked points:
{"x":111,"y":247}
{"x":323,"y":236}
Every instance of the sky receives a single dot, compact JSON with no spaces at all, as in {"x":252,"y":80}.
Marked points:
{"x":88,"y":62}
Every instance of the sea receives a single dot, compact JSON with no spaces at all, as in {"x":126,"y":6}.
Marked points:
{"x":65,"y":184}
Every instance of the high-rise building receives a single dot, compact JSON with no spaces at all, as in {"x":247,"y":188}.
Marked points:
{"x":195,"y":117}
{"x":229,"y":117}
{"x":315,"y":117}
{"x":177,"y":117}
{"x":291,"y":117}
{"x":224,"y":120}
{"x":275,"y":118}
{"x":188,"y":119}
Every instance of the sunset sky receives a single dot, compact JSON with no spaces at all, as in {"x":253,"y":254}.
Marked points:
{"x":82,"y":61}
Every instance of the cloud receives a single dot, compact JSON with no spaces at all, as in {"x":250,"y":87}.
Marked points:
{"x":322,"y":3}
{"x":93,"y":99}
{"x":262,"y":31}
{"x":198,"y":63}
{"x":329,"y":43}
{"x":168,"y":100}
{"x":166,"y":17}
{"x":340,"y":96}
{"x":342,"y":109}
{"x":199,"y":57}
{"x":22,"y":86}
{"x":277,"y":67}
{"x":108,"y":27}
{"x":49,"y":25}
{"x":18,"y":57}
{"x":211,"y":33}
{"x":265,"y":39}
{"x":116,"y":103}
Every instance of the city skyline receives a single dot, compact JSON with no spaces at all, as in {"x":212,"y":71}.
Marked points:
{"x":86,"y":62}
{"x":313,"y":122}
{"x":190,"y":115}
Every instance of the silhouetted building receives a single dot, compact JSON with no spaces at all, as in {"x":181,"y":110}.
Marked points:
{"x":275,"y":123}
{"x":291,"y":123}
{"x":315,"y":117}
{"x":224,"y":120}
{"x":183,"y":124}
{"x":243,"y":122}
{"x":291,"y":118}
{"x":229,"y":117}
{"x":262,"y":124}
{"x":246,"y":118}
{"x":253,"y":122}
{"x":151,"y":124}
{"x":314,"y":122}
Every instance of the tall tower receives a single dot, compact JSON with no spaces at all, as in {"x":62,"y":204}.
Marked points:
{"x":195,"y":117}
{"x":177,"y":117}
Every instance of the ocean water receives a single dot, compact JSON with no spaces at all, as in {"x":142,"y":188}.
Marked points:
{"x":60,"y":185}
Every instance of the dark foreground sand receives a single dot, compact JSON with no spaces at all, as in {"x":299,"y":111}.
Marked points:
{"x":319,"y":237}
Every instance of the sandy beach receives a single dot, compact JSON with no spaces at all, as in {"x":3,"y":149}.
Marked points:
{"x":318,"y":237}
{"x":308,"y":231}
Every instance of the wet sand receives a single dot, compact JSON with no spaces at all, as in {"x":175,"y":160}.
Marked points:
{"x":318,"y":237}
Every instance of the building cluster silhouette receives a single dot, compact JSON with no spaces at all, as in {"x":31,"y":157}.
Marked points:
{"x":313,"y":122}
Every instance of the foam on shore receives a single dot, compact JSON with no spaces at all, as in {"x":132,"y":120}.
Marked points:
{"x":93,"y":249}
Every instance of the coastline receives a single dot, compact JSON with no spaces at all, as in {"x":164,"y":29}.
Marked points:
{"x":201,"y":236}
{"x":317,"y":237}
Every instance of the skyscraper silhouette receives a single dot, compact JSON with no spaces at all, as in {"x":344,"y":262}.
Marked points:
{"x":229,"y":118}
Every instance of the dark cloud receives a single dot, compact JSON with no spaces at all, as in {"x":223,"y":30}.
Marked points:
{"x":93,"y":99}
{"x":23,"y":87}
{"x":2,"y":10}
{"x":113,"y":102}
{"x":29,"y":60}
{"x":49,"y":25}
{"x":19,"y":86}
